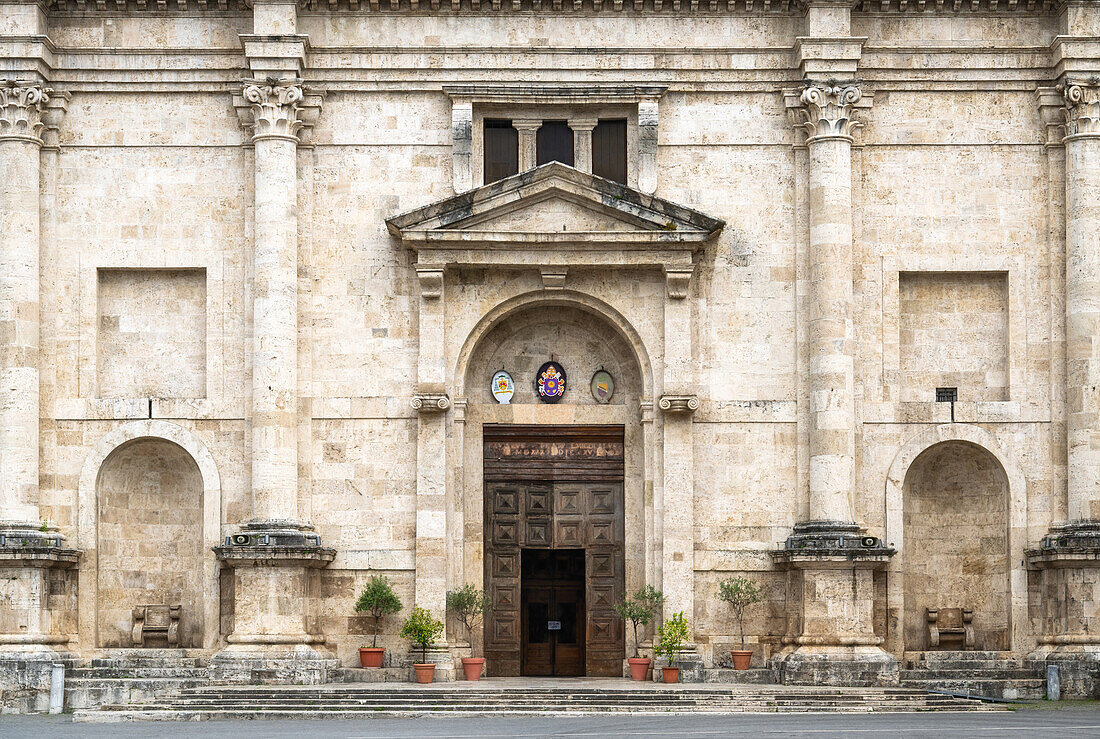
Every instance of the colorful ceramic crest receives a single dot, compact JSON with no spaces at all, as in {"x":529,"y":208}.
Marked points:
{"x":550,"y":382}
{"x":603,"y":386}
{"x":503,"y":388}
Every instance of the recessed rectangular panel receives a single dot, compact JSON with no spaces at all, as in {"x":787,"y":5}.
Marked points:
{"x":505,"y":564}
{"x":602,"y":500}
{"x":504,"y":533}
{"x":568,"y":533}
{"x":537,"y":534}
{"x":506,"y":501}
{"x":601,"y":534}
{"x":538,"y":503}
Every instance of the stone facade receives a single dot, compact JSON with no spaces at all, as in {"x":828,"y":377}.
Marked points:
{"x":252,"y":282}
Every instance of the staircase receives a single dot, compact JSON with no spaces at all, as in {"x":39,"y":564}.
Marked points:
{"x":986,"y":674}
{"x":127,"y":676}
{"x":514,"y":698}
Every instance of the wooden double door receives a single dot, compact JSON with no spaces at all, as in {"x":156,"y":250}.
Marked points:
{"x":554,"y":550}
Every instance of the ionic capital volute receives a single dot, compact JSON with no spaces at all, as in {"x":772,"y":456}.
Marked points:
{"x":826,"y":110}
{"x":431,"y":403}
{"x":678,"y":404}
{"x":1082,"y":107}
{"x":21,"y":108}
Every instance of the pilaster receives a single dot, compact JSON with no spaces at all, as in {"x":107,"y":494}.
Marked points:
{"x":830,"y":562}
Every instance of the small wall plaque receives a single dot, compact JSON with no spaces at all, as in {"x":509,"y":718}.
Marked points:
{"x":550,"y":382}
{"x":503,"y":388}
{"x":603,"y":386}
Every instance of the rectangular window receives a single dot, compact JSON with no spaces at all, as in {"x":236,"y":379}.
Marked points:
{"x":501,"y":150}
{"x":609,"y":150}
{"x":554,"y":143}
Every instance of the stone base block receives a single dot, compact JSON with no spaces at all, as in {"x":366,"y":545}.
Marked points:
{"x":25,"y":680}
{"x":291,"y":665}
{"x":1078,"y":670}
{"x":839,"y":666}
{"x":690,"y":664}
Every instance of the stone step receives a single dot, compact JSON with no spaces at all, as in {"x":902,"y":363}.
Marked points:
{"x":757,"y":676}
{"x":956,"y":655}
{"x":1019,"y":689}
{"x":135,"y":672}
{"x":123,"y":662}
{"x":966,"y":674}
{"x":90,"y":692}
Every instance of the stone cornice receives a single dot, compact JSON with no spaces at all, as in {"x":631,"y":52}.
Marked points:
{"x":957,"y":6}
{"x":21,"y":110}
{"x":951,"y":7}
{"x":1082,"y":108}
{"x":587,"y":94}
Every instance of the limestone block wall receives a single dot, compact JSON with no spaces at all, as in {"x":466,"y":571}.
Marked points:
{"x":958,"y":280}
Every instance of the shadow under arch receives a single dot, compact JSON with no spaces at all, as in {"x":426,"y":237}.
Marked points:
{"x":87,"y":523}
{"x":541,"y":298}
{"x":1015,"y":511}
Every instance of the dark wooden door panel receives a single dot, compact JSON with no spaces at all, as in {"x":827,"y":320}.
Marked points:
{"x":554,"y":492}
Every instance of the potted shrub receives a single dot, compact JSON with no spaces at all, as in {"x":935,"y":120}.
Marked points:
{"x":469,"y":604}
{"x":740,"y":593}
{"x":670,"y":641}
{"x":378,"y":600}
{"x":640,"y":609}
{"x":421,"y":629}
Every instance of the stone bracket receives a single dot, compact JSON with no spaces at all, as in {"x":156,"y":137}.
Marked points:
{"x":431,"y":402}
{"x":678,"y":280}
{"x":553,"y":278}
{"x":431,"y":281}
{"x":678,"y":404}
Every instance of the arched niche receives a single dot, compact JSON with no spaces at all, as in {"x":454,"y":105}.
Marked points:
{"x":149,"y":509}
{"x":956,"y":513}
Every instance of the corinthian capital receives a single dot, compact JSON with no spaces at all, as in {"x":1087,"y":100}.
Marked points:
{"x":1082,"y":108}
{"x":274,"y":109}
{"x":21,"y":106}
{"x":826,"y":109}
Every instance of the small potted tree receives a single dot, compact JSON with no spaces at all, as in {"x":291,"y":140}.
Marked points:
{"x":421,"y":629}
{"x":740,"y":593}
{"x":640,"y":609}
{"x":670,"y":642}
{"x":378,"y":600}
{"x":469,"y":604}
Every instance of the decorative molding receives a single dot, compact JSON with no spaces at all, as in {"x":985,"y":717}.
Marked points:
{"x":955,"y":6}
{"x":559,"y":6}
{"x":646,"y":407}
{"x":21,"y":108}
{"x":553,"y":278}
{"x":1052,"y":112}
{"x":279,"y":109}
{"x":1082,"y":107}
{"x":677,"y":281}
{"x":678,"y":404}
{"x":431,"y":402}
{"x":459,"y":405}
{"x":431,"y":281}
{"x":826,"y":110}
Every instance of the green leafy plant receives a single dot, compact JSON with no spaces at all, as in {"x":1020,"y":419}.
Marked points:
{"x":469,"y":604}
{"x":421,"y":629}
{"x":740,"y":593}
{"x":45,"y":527}
{"x":671,"y":636}
{"x":640,"y":609}
{"x":378,"y":600}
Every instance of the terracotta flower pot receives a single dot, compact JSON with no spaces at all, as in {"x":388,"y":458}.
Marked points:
{"x":425,"y":673}
{"x":471,"y":666}
{"x":742,"y":658}
{"x":670,"y":674}
{"x":639,"y":667}
{"x":371,"y":656}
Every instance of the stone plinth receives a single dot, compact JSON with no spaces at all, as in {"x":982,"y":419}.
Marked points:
{"x":274,"y":638}
{"x":831,"y":637}
{"x":1068,"y":560}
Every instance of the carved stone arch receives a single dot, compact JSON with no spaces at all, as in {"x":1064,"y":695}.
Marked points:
{"x":1016,"y":513}
{"x":88,"y":516}
{"x":567,"y":298}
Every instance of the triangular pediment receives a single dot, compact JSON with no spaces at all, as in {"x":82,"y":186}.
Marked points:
{"x":553,"y":205}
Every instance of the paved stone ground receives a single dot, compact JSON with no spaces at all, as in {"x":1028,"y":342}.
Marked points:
{"x":1057,"y":722}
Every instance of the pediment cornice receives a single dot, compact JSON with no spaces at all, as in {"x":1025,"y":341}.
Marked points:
{"x":555,"y":214}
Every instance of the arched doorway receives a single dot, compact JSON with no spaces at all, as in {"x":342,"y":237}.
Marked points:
{"x":957,"y":542}
{"x":149,"y":498}
{"x":564,"y":518}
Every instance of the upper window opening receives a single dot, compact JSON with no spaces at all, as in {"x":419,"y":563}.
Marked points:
{"x":609,"y":149}
{"x":554,"y":143}
{"x":501,"y":150}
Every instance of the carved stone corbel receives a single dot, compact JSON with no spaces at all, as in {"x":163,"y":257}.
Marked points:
{"x":678,"y":404}
{"x":553,"y":278}
{"x":431,"y":281}
{"x":431,"y":402}
{"x":677,"y":281}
